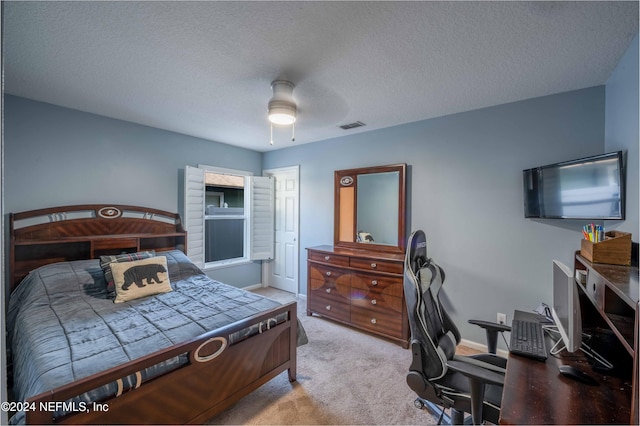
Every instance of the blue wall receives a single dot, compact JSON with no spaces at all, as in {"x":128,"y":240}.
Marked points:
{"x":58,"y":156}
{"x":465,"y":191}
{"x":621,"y":128}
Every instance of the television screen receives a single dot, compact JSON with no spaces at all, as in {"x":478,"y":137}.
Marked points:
{"x":588,"y":188}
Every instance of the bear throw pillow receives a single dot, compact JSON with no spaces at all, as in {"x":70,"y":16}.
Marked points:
{"x":107,"y":261}
{"x":140,"y":278}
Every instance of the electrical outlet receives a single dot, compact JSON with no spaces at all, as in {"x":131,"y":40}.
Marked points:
{"x":502,"y":318}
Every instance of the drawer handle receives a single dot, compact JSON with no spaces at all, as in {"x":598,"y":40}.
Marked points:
{"x":374,"y":282}
{"x":328,"y":290}
{"x":373,"y":321}
{"x":328,"y":273}
{"x":373,"y":301}
{"x":327,"y":257}
{"x":328,"y":307}
{"x":374,"y":265}
{"x":594,"y":287}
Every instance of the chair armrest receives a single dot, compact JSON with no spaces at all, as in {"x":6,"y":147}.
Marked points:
{"x":492,"y":359}
{"x":476,"y":372}
{"x":478,"y":378}
{"x":488,"y":325}
{"x":491,"y":330}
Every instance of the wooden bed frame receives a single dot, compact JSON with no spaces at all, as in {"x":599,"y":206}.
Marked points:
{"x":217,"y":375}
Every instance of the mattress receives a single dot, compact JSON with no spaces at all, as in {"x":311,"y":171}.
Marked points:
{"x":63,"y":324}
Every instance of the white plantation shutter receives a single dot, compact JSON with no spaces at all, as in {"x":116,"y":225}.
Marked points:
{"x":262,"y":214}
{"x":194,"y":192}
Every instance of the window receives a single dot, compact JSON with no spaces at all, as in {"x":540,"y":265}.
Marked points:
{"x":224,"y":221}
{"x":228,"y":216}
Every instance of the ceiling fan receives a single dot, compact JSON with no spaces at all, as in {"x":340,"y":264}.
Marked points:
{"x":282,"y":109}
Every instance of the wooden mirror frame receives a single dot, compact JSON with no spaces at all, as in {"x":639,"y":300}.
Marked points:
{"x":348,"y":179}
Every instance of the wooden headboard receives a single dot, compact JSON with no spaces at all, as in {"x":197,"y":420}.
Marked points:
{"x":57,"y":234}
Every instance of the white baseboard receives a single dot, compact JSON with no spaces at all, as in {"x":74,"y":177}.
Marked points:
{"x":482,"y":348}
{"x":253,"y":287}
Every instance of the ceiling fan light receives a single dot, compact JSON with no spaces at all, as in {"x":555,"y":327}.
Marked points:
{"x":282,"y":108}
{"x":282,"y":119}
{"x":282,"y":113}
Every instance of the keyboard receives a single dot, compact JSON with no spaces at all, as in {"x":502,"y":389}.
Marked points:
{"x":527,"y":339}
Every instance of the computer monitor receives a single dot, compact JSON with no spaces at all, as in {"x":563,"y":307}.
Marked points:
{"x":566,"y":306}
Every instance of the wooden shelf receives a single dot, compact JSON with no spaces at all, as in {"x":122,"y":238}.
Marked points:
{"x":612,"y":290}
{"x":623,"y":327}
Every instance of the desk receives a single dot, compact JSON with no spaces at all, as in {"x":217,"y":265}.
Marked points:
{"x":536,"y":393}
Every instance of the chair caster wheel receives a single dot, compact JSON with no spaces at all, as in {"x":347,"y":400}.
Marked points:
{"x":418,"y":404}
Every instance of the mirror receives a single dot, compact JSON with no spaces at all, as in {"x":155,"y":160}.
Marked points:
{"x":370,"y":208}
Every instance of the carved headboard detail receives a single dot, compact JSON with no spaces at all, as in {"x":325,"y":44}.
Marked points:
{"x":40,"y":237}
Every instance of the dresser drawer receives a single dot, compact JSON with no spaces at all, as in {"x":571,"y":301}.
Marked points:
{"x":330,"y":290}
{"x":334,"y":259}
{"x":329,"y":274}
{"x":377,"y":320}
{"x":379,"y":302}
{"x":329,"y":308}
{"x":376,"y":265}
{"x":378,"y":284}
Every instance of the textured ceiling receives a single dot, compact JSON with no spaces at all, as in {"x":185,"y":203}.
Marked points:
{"x":204,"y":68}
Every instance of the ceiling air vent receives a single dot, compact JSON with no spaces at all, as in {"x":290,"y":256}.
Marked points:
{"x":352,"y":125}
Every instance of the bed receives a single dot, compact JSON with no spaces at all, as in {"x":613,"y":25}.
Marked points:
{"x":182,"y":355}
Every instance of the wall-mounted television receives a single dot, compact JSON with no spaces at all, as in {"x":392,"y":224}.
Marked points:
{"x":588,"y":188}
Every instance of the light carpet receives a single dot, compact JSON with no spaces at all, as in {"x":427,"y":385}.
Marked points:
{"x":345,"y":377}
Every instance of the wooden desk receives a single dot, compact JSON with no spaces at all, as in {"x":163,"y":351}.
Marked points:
{"x":536,"y":393}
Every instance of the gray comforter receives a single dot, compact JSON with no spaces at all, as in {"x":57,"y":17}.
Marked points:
{"x":63,"y":325}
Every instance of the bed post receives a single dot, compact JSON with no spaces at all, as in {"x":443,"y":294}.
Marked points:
{"x":293,"y":342}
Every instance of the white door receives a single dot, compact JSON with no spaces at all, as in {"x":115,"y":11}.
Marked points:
{"x":282,"y":272}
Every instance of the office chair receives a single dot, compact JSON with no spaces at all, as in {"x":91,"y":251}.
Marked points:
{"x":441,"y":379}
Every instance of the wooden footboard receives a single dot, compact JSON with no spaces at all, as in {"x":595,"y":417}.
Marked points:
{"x":217,"y":375}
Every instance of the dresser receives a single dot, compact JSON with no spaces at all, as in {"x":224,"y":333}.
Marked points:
{"x":360,"y":288}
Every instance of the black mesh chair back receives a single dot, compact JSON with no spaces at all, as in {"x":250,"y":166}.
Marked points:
{"x":434,"y":373}
{"x":428,"y":322}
